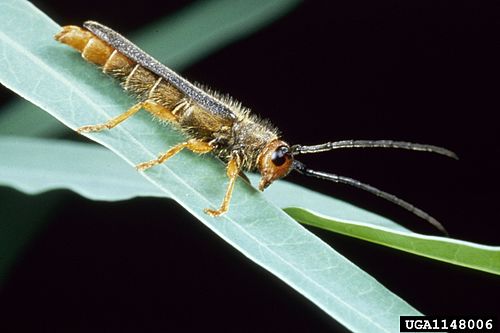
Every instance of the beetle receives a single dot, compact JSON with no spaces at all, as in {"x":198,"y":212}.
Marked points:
{"x":212,"y":122}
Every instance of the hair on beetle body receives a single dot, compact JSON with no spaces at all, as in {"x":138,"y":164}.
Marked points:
{"x":213,"y":123}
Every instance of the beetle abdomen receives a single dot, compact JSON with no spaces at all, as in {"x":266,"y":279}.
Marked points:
{"x":134,"y":78}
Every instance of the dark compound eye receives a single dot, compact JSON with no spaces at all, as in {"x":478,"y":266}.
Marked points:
{"x":280,"y":155}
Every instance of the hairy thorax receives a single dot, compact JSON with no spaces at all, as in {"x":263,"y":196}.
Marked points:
{"x":243,"y":138}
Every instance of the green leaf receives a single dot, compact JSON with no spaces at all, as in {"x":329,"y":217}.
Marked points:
{"x":477,"y":256}
{"x":56,"y":79}
{"x":179,"y":40}
{"x":35,"y":166}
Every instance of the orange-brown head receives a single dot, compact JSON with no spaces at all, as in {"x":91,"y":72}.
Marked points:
{"x":274,"y":162}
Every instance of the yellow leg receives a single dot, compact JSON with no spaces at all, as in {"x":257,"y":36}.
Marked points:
{"x":147,"y":105}
{"x":194,"y":145}
{"x":233,"y":169}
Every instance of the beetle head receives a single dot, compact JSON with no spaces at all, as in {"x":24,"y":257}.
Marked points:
{"x":274,"y":162}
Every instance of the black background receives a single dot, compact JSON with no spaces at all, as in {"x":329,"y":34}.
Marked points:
{"x":423,"y":71}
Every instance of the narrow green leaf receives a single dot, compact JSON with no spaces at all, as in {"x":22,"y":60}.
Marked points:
{"x":462,"y":253}
{"x":35,"y":166}
{"x":180,"y":40}
{"x":56,"y":79}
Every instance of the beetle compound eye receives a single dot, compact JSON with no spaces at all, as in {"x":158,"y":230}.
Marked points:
{"x":280,"y":156}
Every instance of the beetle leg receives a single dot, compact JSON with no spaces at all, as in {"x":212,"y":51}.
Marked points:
{"x":233,"y":169}
{"x":197,"y":146}
{"x":147,"y":105}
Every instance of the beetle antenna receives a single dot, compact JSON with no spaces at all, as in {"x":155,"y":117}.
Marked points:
{"x":299,"y":149}
{"x":303,"y":169}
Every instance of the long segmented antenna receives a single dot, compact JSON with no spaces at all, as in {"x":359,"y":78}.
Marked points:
{"x":300,"y":149}
{"x":303,"y":169}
